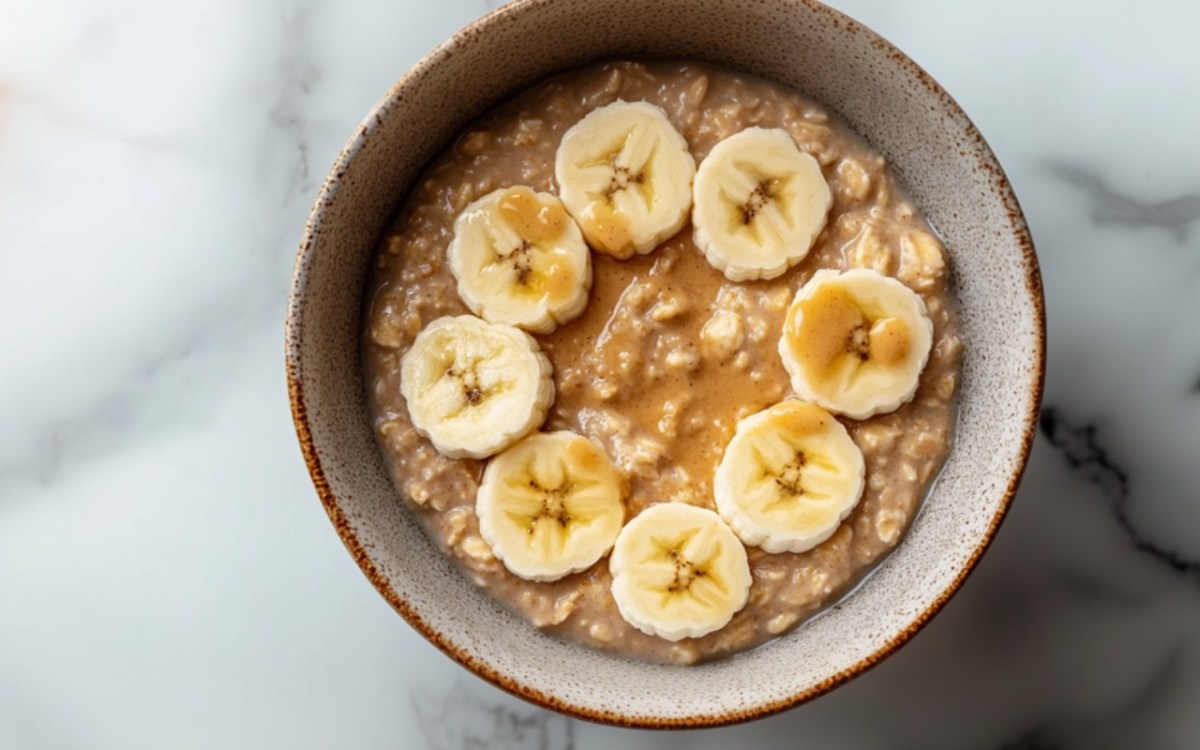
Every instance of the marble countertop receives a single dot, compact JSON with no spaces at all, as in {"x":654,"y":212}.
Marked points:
{"x":167,"y":577}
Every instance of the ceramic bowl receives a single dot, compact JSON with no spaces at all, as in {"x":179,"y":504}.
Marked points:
{"x":936,"y":153}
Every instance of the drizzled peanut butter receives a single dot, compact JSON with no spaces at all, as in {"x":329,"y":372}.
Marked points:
{"x":607,"y":230}
{"x":829,"y":326}
{"x":537,"y":221}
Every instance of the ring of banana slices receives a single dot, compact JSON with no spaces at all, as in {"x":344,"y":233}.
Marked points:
{"x":552,"y":504}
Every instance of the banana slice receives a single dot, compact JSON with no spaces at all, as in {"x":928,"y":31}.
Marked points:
{"x":550,"y":505}
{"x":474,"y":388}
{"x":679,"y":572}
{"x":625,"y":174}
{"x":760,"y":204}
{"x":520,"y":259}
{"x":788,"y":478}
{"x":855,"y":342}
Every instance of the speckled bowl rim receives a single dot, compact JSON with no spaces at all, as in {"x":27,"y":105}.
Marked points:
{"x":1002,"y":190}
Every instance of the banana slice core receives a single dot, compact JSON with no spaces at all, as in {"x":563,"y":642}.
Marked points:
{"x":519,"y":258}
{"x":679,"y":572}
{"x":760,"y":203}
{"x":625,"y":174}
{"x":473,"y":387}
{"x":789,"y":477}
{"x":551,"y":505}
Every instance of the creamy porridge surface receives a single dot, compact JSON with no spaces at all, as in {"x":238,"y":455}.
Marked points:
{"x":669,"y":354}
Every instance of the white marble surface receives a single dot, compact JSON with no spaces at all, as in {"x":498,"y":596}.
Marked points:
{"x":167,"y":577}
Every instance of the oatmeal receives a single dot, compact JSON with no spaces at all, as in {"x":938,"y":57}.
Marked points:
{"x":668,"y":354}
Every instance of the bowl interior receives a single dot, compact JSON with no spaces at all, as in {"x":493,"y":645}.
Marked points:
{"x":935,"y":152}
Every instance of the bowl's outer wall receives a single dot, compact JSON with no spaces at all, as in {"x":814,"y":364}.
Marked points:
{"x":937,"y":154}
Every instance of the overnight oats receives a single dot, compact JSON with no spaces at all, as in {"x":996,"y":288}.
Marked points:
{"x":663,"y":356}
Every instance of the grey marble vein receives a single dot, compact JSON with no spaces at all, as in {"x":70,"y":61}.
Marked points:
{"x":1080,"y":448}
{"x":13,"y":96}
{"x":1083,"y":451}
{"x":296,"y":74}
{"x":458,"y":720}
{"x":1109,"y":206}
{"x":131,"y":412}
{"x":174,"y":364}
